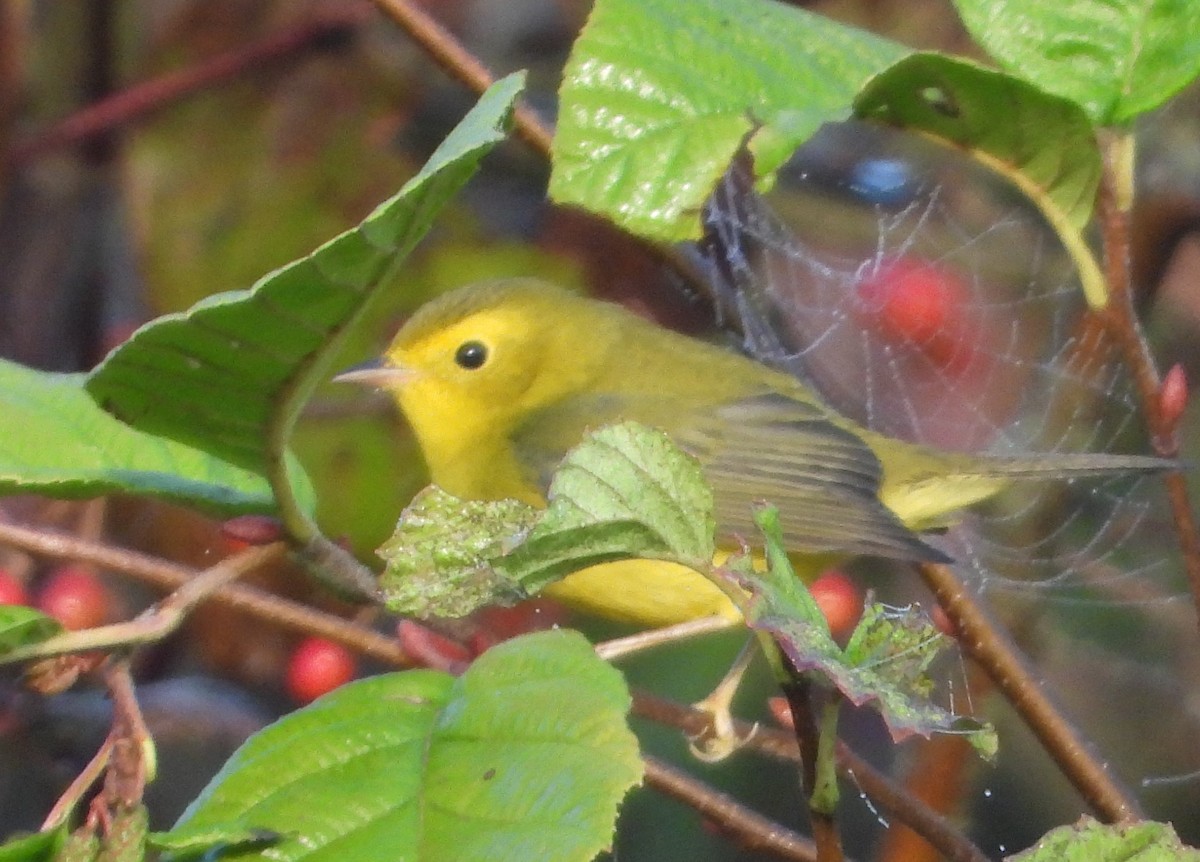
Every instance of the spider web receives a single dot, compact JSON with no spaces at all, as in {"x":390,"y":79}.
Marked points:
{"x":1017,"y":364}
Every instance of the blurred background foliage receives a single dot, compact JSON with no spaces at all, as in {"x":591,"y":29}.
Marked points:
{"x":290,"y":121}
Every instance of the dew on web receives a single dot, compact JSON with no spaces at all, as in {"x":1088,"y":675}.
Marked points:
{"x":963,"y":704}
{"x":1171,"y":780}
{"x":866,"y":801}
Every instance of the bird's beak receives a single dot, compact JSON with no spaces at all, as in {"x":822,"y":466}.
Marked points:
{"x":377,"y":373}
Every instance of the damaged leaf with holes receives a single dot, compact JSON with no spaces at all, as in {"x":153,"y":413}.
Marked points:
{"x":626,"y":491}
{"x":438,"y":563}
{"x":885,"y":663}
{"x":1087,"y":840}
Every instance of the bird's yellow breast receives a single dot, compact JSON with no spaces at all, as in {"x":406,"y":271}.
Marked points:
{"x":644,"y":592}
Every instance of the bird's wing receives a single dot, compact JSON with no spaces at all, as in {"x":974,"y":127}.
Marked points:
{"x":763,"y":449}
{"x":546,"y":435}
{"x":824,"y":480}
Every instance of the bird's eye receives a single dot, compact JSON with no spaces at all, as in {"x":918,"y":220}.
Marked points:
{"x":471,"y":354}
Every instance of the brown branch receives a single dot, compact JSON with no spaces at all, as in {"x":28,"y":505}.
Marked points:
{"x":938,"y":777}
{"x":461,"y":64}
{"x":887,"y":795}
{"x":805,"y":700}
{"x":750,"y":829}
{"x":170,"y":576}
{"x":1123,"y":326}
{"x":128,"y":770}
{"x":142,"y":100}
{"x":1004,"y":664}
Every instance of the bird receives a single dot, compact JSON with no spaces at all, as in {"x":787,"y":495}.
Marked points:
{"x":499,"y":380}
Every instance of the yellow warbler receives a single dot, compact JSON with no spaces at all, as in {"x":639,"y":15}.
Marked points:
{"x":499,"y":380}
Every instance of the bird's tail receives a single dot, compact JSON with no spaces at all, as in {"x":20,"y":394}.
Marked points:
{"x":927,"y":485}
{"x":1058,"y":465}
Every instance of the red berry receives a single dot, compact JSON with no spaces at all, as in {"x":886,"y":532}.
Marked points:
{"x":942,"y":621}
{"x":839,"y":600}
{"x":528,"y":616}
{"x":75,"y":597}
{"x":1173,"y":396}
{"x":911,"y":301}
{"x":318,"y":666}
{"x":781,"y":711}
{"x":12,"y":591}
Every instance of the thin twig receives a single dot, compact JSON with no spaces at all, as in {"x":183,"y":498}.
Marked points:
{"x":157,"y":622}
{"x":460,"y":63}
{"x":131,"y":765}
{"x":750,"y":829}
{"x":142,"y":100}
{"x":618,"y":648}
{"x":1123,"y":326}
{"x":1000,"y":658}
{"x":78,"y":787}
{"x":170,"y":576}
{"x":887,"y":795}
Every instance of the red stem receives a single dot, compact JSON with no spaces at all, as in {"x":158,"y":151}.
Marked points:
{"x":142,"y":100}
{"x":462,"y":64}
{"x":1121,"y":323}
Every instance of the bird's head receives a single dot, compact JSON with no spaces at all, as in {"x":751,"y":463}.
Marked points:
{"x":483,"y":357}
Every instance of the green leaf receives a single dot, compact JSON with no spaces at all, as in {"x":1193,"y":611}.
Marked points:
{"x":125,"y":838}
{"x":1089,"y":841}
{"x":59,"y":443}
{"x":438,"y":562}
{"x":645,"y":132}
{"x":884,"y":663}
{"x":231,"y":374}
{"x":1009,"y":126}
{"x":1115,"y":58}
{"x":526,"y":756}
{"x":38,"y":847}
{"x":1013,"y":126}
{"x":82,"y":845}
{"x":223,"y":836}
{"x":21,"y":626}
{"x":625,"y":491}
